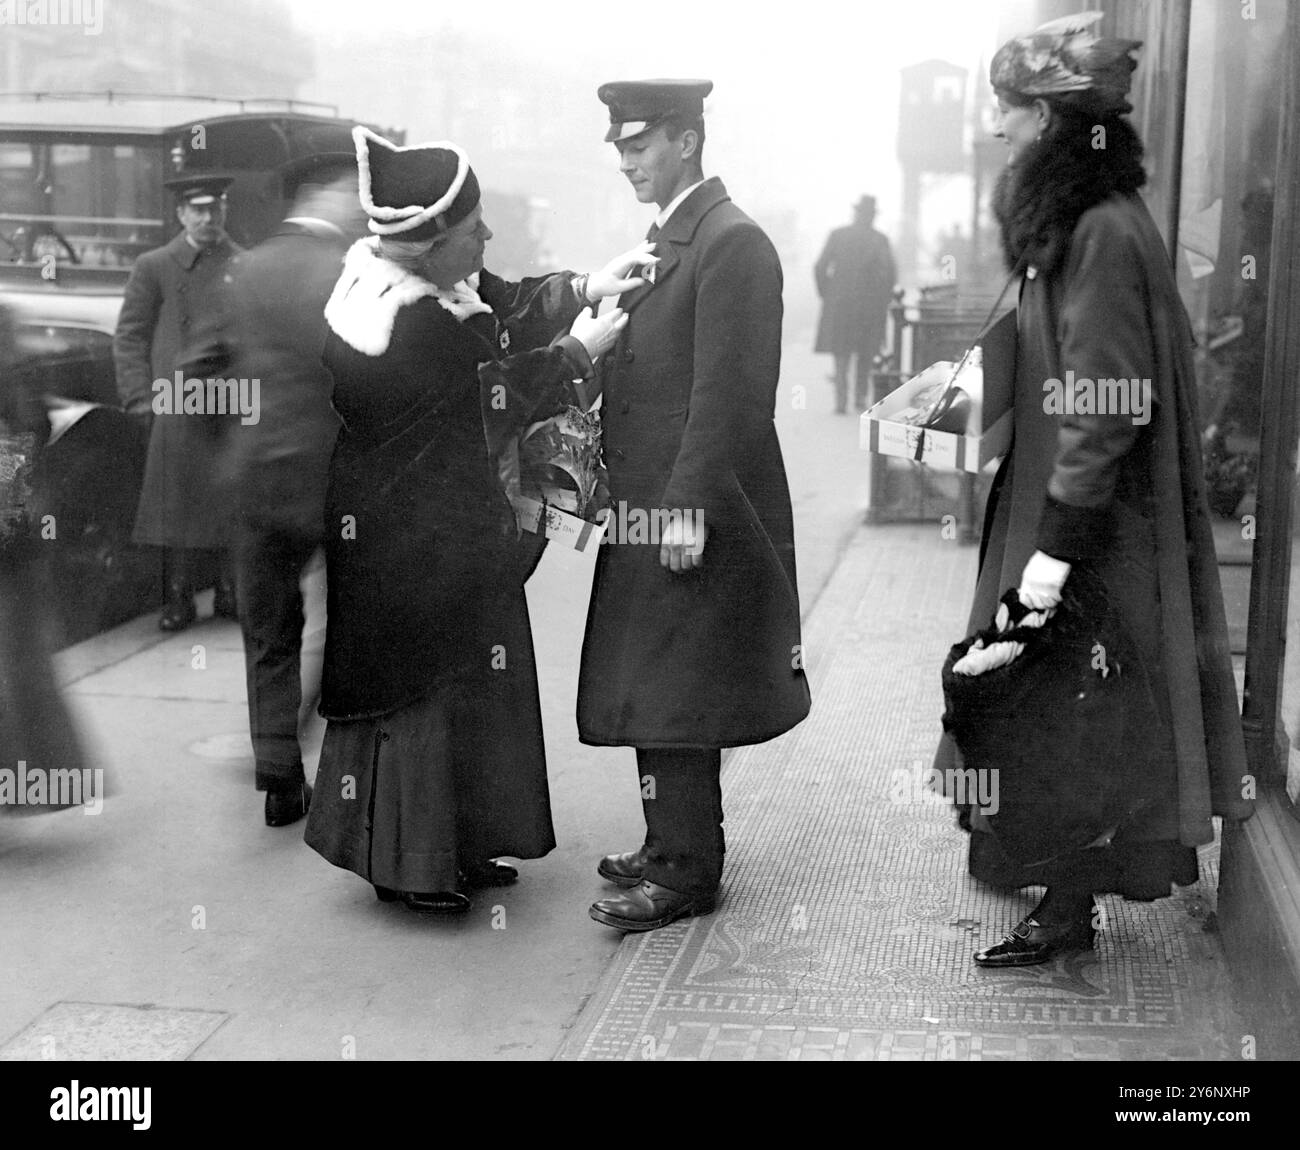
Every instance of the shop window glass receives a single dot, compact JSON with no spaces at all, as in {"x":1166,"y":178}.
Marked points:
{"x":1230,"y":144}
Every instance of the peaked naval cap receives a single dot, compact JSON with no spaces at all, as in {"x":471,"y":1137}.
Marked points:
{"x":1066,"y":60}
{"x":636,"y":106}
{"x":199,"y":188}
{"x":413,"y":193}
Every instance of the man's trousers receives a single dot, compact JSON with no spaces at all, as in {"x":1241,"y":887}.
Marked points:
{"x":268,"y":569}
{"x":682,"y":798}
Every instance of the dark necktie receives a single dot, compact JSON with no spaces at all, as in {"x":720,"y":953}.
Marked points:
{"x":652,"y":233}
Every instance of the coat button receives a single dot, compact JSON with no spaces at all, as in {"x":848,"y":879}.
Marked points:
{"x":625,"y":407}
{"x":629,"y":355}
{"x":618,"y":453}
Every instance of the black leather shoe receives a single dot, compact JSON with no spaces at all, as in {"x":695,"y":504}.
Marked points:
{"x":649,"y":906}
{"x":1031,"y":943}
{"x":434,"y":902}
{"x":177,"y":614}
{"x":287,"y":805}
{"x":490,"y":873}
{"x":626,"y":870}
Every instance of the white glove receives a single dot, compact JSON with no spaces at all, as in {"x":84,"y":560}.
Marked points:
{"x":1041,"y":582}
{"x":613,"y":278}
{"x":1040,"y":590}
{"x":598,"y":333}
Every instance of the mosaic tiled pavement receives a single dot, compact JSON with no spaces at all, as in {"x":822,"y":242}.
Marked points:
{"x":848,"y":920}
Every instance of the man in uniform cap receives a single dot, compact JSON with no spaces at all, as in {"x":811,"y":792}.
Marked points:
{"x":171,"y":293}
{"x":692,"y":639}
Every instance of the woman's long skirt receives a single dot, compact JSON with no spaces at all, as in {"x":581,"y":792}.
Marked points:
{"x":452,"y":780}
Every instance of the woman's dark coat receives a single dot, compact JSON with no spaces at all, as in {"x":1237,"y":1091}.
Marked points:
{"x":1126,"y":497}
{"x":425,"y":565}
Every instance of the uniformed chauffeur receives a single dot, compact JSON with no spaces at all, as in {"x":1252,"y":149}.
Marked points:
{"x":692,"y":639}
{"x":172,"y":292}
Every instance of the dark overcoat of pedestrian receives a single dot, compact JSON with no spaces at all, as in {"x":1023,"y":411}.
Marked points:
{"x":710,"y":657}
{"x":171,"y":292}
{"x":855,"y":278}
{"x":277,"y":467}
{"x":1127,"y":498}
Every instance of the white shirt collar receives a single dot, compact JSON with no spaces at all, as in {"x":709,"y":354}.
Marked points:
{"x":662,"y":217}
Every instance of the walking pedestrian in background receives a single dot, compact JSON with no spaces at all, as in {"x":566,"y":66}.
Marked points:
{"x":855,"y":279}
{"x":277,"y":467}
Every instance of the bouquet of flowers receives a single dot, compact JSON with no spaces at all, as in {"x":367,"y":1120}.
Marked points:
{"x":559,"y":464}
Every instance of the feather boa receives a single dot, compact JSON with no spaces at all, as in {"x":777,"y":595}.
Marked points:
{"x":1039,"y":201}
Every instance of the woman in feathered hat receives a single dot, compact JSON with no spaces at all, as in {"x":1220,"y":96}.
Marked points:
{"x":1105,"y":479}
{"x":433,"y":764}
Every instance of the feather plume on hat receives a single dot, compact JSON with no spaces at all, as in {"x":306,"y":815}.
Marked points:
{"x":1065,"y":58}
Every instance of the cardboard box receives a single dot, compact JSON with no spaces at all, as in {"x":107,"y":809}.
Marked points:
{"x":560,"y":526}
{"x":883,"y":435}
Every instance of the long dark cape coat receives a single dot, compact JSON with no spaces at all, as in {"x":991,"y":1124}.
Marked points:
{"x":172,"y":293}
{"x":1127,"y":497}
{"x":710,"y":657}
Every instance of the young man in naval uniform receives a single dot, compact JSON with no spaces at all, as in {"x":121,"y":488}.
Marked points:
{"x":692,"y":639}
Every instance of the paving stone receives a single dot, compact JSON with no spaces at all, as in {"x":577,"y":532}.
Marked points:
{"x":117,"y":1032}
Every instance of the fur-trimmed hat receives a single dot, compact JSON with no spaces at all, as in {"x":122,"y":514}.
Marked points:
{"x":416,"y":192}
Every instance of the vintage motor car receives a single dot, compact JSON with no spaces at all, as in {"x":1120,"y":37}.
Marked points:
{"x":81,"y":196}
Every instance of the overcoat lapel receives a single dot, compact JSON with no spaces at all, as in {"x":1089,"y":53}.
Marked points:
{"x":676,"y":234}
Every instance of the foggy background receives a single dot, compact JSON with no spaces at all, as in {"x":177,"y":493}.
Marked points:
{"x":803,"y":119}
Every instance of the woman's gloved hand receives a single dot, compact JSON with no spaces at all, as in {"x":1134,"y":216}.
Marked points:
{"x":614,"y":278}
{"x":1040,"y":584}
{"x":1040,"y":588}
{"x":598,"y":333}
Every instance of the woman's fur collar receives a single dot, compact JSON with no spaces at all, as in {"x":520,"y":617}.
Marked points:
{"x":371,"y":291}
{"x":1039,"y":201}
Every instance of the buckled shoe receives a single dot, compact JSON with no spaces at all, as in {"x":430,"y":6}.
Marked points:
{"x":1031,"y":943}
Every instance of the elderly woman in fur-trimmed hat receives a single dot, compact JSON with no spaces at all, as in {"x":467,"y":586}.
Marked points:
{"x":433,"y":763}
{"x":1110,"y":483}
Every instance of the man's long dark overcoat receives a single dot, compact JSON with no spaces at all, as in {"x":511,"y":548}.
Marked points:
{"x":277,"y":468}
{"x":173,"y":292}
{"x":710,"y":657}
{"x":855,"y":279}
